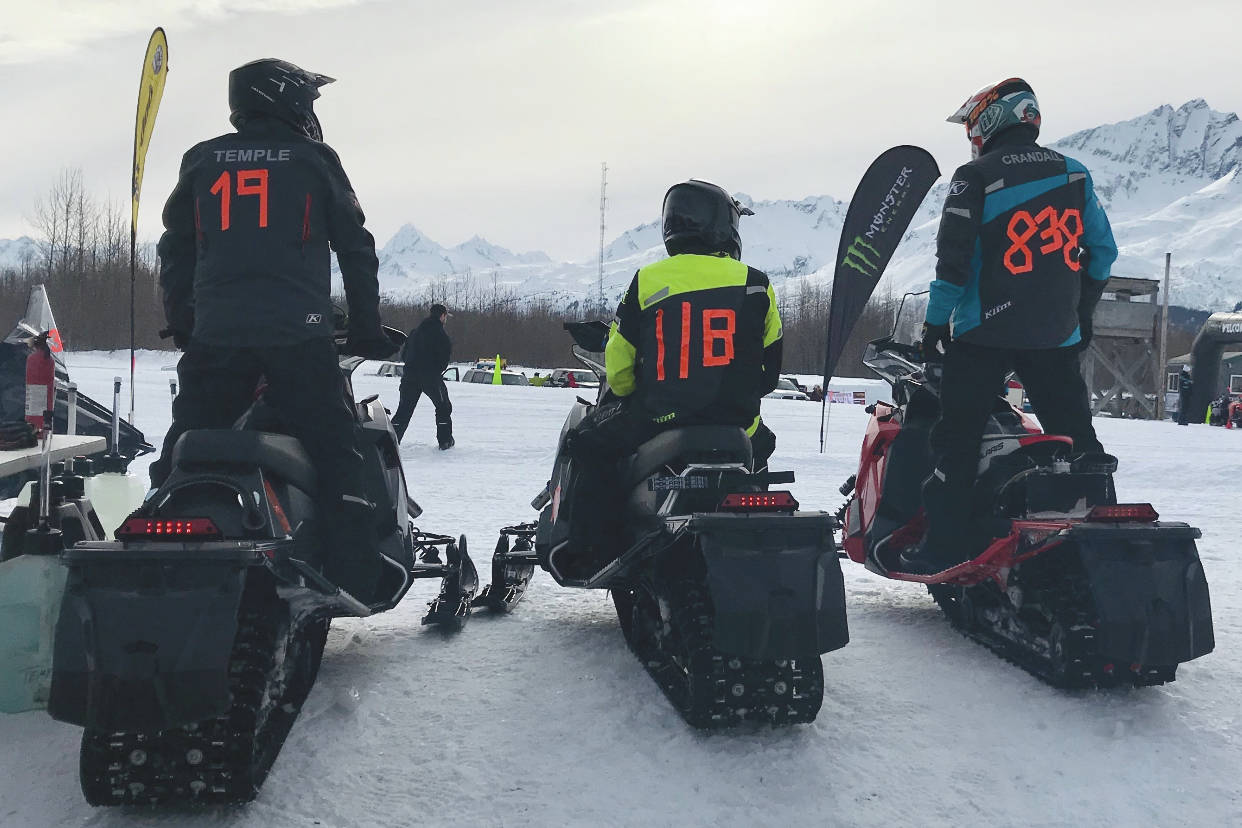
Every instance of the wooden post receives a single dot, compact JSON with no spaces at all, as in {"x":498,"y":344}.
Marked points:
{"x":1164,"y":340}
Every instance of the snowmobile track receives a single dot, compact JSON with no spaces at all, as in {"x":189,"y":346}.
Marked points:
{"x":710,"y":689}
{"x":1067,"y":658}
{"x":221,"y":760}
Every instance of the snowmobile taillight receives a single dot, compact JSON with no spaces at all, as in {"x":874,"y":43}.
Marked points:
{"x":759,"y":502}
{"x":1123,"y":513}
{"x":140,"y":527}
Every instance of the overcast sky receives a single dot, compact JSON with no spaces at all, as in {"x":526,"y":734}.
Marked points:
{"x":492,"y":116}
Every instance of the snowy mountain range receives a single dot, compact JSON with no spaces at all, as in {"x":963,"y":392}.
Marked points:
{"x":1169,"y":179}
{"x":15,"y":252}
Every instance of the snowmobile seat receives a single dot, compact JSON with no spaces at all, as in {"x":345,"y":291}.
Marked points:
{"x":279,"y":454}
{"x":692,"y":444}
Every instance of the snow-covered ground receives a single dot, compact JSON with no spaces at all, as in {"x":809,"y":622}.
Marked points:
{"x":544,"y":718}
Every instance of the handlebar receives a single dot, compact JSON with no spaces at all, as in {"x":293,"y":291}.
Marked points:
{"x":395,"y":338}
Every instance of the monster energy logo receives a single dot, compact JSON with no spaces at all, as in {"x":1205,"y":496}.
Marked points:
{"x":893,"y":200}
{"x":862,"y":257}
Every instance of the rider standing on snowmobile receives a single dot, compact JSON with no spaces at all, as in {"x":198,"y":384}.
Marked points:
{"x":697,"y":338}
{"x":245,"y":271}
{"x":1024,"y":252}
{"x":426,"y":354}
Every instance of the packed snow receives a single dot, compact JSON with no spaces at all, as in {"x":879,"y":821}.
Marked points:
{"x":543,"y":717}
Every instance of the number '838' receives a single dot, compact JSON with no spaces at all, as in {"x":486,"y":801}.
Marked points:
{"x":1059,"y":232}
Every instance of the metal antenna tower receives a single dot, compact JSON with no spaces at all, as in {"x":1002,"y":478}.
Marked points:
{"x":603,"y":200}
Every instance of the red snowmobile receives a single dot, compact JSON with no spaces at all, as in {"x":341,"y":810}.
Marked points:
{"x":1073,"y":586}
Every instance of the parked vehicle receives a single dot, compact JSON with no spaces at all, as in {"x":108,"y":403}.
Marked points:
{"x":560,"y":378}
{"x":486,"y":376}
{"x":786,"y":390}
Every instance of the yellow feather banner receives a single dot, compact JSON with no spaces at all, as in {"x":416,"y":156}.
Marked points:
{"x":151,"y":90}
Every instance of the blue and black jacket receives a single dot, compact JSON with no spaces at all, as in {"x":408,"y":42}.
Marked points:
{"x":1023,"y":245}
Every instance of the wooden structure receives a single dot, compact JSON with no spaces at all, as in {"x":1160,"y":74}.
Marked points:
{"x":1117,"y":366}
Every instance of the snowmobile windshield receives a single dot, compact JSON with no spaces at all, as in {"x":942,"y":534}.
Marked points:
{"x":908,"y":324}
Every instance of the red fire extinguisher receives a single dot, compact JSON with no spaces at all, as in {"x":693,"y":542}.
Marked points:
{"x":40,"y":382}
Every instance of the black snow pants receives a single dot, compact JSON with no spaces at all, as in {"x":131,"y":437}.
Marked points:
{"x":973,"y":375}
{"x":1183,"y":407}
{"x":413,"y":387}
{"x":306,"y":389}
{"x":606,"y":437}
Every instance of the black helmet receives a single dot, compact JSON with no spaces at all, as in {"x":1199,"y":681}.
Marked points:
{"x":279,"y":89}
{"x":702,"y":218}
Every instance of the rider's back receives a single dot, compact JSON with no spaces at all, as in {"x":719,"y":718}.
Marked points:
{"x":266,"y":202}
{"x":698,"y":326}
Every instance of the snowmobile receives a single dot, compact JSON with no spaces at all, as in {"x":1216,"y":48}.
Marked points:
{"x":725,"y":592}
{"x":1076,"y":588}
{"x":187,"y":646}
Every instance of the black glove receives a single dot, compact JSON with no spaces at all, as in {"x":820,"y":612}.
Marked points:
{"x":1089,"y":297}
{"x":180,"y":339}
{"x":1086,"y":329}
{"x":934,"y":335}
{"x":371,"y":345}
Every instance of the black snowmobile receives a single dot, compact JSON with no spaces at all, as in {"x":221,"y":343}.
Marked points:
{"x":187,"y":646}
{"x":725,"y":592}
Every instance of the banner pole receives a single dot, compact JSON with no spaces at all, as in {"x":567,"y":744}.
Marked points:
{"x":150,"y":92}
{"x":133,"y":276}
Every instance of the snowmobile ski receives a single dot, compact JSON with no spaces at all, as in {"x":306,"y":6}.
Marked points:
{"x":512,"y":569}
{"x":451,"y":608}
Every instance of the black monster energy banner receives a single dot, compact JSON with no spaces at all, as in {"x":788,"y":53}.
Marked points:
{"x":883,"y":205}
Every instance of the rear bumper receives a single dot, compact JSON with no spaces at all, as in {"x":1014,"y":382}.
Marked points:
{"x":1150,"y":590}
{"x":776,"y":583}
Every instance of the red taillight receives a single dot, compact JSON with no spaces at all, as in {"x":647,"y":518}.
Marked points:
{"x":139,"y":527}
{"x":759,"y":502}
{"x":1123,"y":512}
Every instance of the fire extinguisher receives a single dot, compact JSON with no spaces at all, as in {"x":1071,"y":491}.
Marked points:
{"x":40,"y":382}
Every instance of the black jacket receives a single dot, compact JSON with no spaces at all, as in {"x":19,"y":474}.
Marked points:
{"x":244,"y":259}
{"x":697,"y":339}
{"x":427,"y":350}
{"x":1010,"y":269}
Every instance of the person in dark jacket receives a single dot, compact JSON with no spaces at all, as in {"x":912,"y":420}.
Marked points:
{"x":697,"y":340}
{"x":245,"y":272}
{"x":1185,"y":390}
{"x":426,"y":355}
{"x":1023,"y":254}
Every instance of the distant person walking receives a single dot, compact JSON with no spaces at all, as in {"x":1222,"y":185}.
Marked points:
{"x":1185,"y":386}
{"x":426,"y":355}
